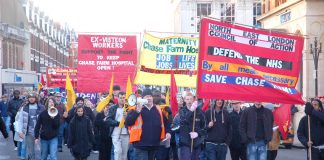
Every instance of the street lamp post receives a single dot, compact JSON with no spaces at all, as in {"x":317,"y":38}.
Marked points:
{"x":315,"y":52}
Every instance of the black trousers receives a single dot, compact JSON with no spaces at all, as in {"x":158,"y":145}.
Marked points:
{"x":238,"y":154}
{"x":272,"y":154}
{"x":316,"y":154}
{"x":105,"y":148}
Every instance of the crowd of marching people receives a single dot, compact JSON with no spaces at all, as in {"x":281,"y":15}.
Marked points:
{"x":41,"y":125}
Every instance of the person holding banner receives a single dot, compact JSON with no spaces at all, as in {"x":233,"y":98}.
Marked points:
{"x":120,"y":136}
{"x":191,"y":131}
{"x":219,"y":131}
{"x":147,"y":127}
{"x":256,"y":130}
{"x":315,"y":141}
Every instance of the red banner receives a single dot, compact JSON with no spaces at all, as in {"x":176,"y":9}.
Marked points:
{"x":101,"y":55}
{"x":56,"y":76}
{"x":248,"y":64}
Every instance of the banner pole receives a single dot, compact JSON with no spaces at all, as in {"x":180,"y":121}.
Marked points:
{"x":193,"y":130}
{"x":309,"y":140}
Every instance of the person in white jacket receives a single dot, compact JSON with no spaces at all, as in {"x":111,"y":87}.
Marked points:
{"x":21,"y":149}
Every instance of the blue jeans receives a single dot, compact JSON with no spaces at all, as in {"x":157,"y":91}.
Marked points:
{"x":49,"y":147}
{"x":131,"y":152}
{"x":216,"y":151}
{"x":186,"y":154}
{"x":7,"y":123}
{"x":257,"y":151}
{"x":21,"y":149}
{"x":144,"y":154}
{"x":61,"y":134}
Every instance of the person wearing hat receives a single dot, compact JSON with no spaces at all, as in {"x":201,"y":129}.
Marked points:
{"x":13,"y":107}
{"x":27,"y":121}
{"x":315,"y":111}
{"x":63,"y":114}
{"x":147,"y":127}
{"x":237,"y":149}
{"x":256,"y":130}
{"x":4,"y":111}
{"x":219,"y":131}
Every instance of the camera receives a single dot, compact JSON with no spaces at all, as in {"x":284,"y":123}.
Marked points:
{"x":142,"y":101}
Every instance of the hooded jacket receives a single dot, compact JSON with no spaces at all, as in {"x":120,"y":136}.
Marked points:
{"x":221,"y":131}
{"x":186,"y":124}
{"x":80,"y":136}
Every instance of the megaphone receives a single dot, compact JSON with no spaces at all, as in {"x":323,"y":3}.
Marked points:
{"x":52,"y":112}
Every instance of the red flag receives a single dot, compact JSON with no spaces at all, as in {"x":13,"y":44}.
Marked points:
{"x":206,"y":105}
{"x":173,"y":95}
{"x":42,"y":81}
{"x":282,"y":117}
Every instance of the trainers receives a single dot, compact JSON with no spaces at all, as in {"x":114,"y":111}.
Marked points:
{"x":95,"y":152}
{"x":15,"y":148}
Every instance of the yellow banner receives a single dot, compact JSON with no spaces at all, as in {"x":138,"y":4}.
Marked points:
{"x":160,"y":55}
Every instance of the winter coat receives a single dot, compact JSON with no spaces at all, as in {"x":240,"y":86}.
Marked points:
{"x":18,"y":126}
{"x":275,"y":141}
{"x":61,"y":109}
{"x":3,"y":128}
{"x":47,"y":127}
{"x":151,"y":127}
{"x":102,"y":125}
{"x":316,"y":129}
{"x":80,"y":136}
{"x":186,"y":124}
{"x":220,"y":132}
{"x":24,"y":117}
{"x":236,"y":138}
{"x":248,"y":125}
{"x":13,"y":107}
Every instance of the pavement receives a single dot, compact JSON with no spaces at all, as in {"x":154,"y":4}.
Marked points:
{"x":7,"y":152}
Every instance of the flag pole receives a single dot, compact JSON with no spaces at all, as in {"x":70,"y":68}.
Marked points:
{"x":309,"y":140}
{"x":193,"y":130}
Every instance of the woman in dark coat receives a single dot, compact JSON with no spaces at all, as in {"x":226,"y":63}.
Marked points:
{"x":80,"y":135}
{"x":103,"y":129}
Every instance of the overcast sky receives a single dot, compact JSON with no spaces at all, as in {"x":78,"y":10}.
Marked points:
{"x":111,"y":15}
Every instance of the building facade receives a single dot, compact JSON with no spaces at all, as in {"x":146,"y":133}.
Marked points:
{"x":188,"y":13}
{"x":304,"y":18}
{"x":50,"y":41}
{"x":30,"y":41}
{"x":15,"y":70}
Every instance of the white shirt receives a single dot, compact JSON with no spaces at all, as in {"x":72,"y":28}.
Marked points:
{"x":119,"y":116}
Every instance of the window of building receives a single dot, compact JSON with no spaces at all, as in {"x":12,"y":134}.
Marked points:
{"x":203,"y":10}
{"x":256,"y":13}
{"x":228,"y":12}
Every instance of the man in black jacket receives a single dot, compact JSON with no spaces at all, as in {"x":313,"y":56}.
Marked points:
{"x":237,"y":149}
{"x":147,"y":128}
{"x":256,"y":130}
{"x":315,"y":111}
{"x":13,"y":107}
{"x":120,"y":136}
{"x":186,"y":129}
{"x":219,"y":131}
{"x":47,"y":128}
